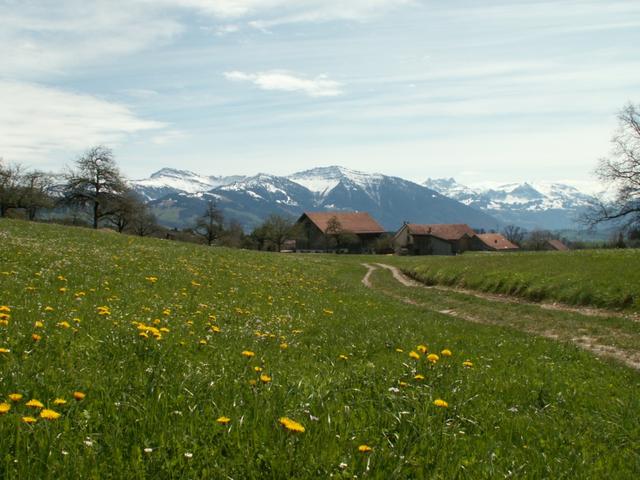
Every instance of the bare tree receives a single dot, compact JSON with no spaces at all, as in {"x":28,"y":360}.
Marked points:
{"x":10,"y":179}
{"x":514,"y":234}
{"x":125,"y":208}
{"x":537,"y":240}
{"x":277,"y":230}
{"x":209,"y":224}
{"x":36,"y":192}
{"x":95,"y":183}
{"x":143,"y":222}
{"x":621,"y":171}
{"x":333,"y":231}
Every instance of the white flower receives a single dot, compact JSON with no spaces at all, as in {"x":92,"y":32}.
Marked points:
{"x":148,"y":450}
{"x":188,"y":455}
{"x":64,"y":452}
{"x":394,"y":389}
{"x":343,"y":466}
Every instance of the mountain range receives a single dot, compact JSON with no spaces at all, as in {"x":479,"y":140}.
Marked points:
{"x":177,"y":197}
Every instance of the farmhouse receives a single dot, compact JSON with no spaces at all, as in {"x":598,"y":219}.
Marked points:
{"x":434,"y":239}
{"x":353,"y":231}
{"x":493,"y":242}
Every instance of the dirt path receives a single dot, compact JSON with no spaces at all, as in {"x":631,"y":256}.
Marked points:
{"x":584,"y":342}
{"x":592,"y":312}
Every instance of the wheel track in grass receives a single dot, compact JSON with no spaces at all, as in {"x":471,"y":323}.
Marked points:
{"x":584,"y":341}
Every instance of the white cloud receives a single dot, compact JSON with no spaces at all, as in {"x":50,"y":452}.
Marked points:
{"x":320,"y":86}
{"x":38,"y":121}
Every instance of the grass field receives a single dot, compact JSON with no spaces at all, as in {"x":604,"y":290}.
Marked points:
{"x":207,"y":363}
{"x":599,"y":278}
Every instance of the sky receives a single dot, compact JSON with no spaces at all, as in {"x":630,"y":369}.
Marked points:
{"x":479,"y":90}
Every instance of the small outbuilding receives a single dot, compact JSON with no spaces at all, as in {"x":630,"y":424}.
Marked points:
{"x":556,"y":245}
{"x":324,"y":231}
{"x":493,"y":242}
{"x":433,"y":239}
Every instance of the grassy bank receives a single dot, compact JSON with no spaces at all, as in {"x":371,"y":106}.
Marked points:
{"x":159,"y":338}
{"x":599,"y":278}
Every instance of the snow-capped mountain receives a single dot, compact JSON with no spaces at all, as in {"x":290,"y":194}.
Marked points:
{"x":528,"y":204}
{"x":170,"y":180}
{"x":249,"y":200}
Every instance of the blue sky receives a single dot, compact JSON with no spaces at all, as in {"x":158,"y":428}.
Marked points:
{"x":479,"y":90}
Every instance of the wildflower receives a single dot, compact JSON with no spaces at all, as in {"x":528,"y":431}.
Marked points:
{"x":257,"y":369}
{"x":284,"y":346}
{"x":59,"y":401}
{"x":223,"y":420}
{"x":467,"y":363}
{"x":343,"y":357}
{"x":440,"y":403}
{"x":215,"y":329}
{"x":4,"y":408}
{"x":327,"y":311}
{"x":446,"y":352}
{"x":35,"y":337}
{"x":202,"y":342}
{"x":49,"y":414}
{"x":15,"y":397}
{"x":342,"y":466}
{"x":399,"y":350}
{"x":29,"y":420}
{"x":394,"y":389}
{"x":62,"y":289}
{"x":78,"y":395}
{"x":4,"y":316}
{"x":248,"y":353}
{"x":364,"y":448}
{"x":38,"y":324}
{"x":4,"y":322}
{"x":148,"y":450}
{"x":291,"y":425}
{"x":403,"y":384}
{"x":5,"y":308}
{"x":63,"y":324}
{"x":34,"y":403}
{"x":414,"y":355}
{"x":151,"y":279}
{"x":4,"y":350}
{"x":419,"y":377}
{"x":433,"y":358}
{"x":422,"y":348}
{"x":252,"y":382}
{"x":188,"y":455}
{"x":48,"y":309}
{"x":264,"y":378}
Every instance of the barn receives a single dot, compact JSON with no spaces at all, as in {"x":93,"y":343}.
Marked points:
{"x":433,"y":239}
{"x":337,"y":231}
{"x":493,"y":242}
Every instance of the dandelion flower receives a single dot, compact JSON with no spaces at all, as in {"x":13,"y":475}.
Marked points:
{"x":291,"y":425}
{"x":5,"y":308}
{"x":63,"y":324}
{"x":223,"y":420}
{"x":419,"y":377}
{"x":284,"y":346}
{"x":15,"y":397}
{"x":414,"y":355}
{"x":4,"y":408}
{"x":48,"y":414}
{"x":467,"y":363}
{"x":35,"y":337}
{"x":257,"y":369}
{"x":59,"y":401}
{"x":48,"y":309}
{"x":264,"y":378}
{"x":440,"y":403}
{"x":399,"y":350}
{"x":343,"y":357}
{"x":34,"y":403}
{"x":4,"y":350}
{"x":433,"y":358}
{"x":364,"y":448}
{"x":215,"y":329}
{"x":248,"y":353}
{"x":29,"y":419}
{"x":79,"y":395}
{"x":446,"y":352}
{"x":38,"y":324}
{"x":422,"y":348}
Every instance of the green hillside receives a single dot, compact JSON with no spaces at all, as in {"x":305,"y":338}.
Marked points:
{"x":200,"y":362}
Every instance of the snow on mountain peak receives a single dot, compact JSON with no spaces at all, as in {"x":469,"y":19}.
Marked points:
{"x":322,"y":180}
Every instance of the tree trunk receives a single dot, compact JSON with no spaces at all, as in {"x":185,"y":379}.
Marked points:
{"x":96,"y":205}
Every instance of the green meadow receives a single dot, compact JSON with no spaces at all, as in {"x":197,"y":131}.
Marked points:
{"x":155,"y":359}
{"x":598,"y":278}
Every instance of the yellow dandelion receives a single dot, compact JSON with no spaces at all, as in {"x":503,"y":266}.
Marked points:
{"x":5,"y":308}
{"x":364,"y":449}
{"x":223,"y":420}
{"x":252,"y":382}
{"x":419,"y":377}
{"x":284,"y":346}
{"x":62,"y":289}
{"x":343,"y":357}
{"x":422,"y":348}
{"x":440,"y":403}
{"x":414,"y":355}
{"x":4,"y":408}
{"x":29,"y":419}
{"x":33,"y":403}
{"x":467,"y":363}
{"x":215,"y":329}
{"x":446,"y":352}
{"x":257,"y":369}
{"x":248,"y":353}
{"x":15,"y":397}
{"x":63,"y":324}
{"x":403,"y":384}
{"x":291,"y":425}
{"x":48,"y":414}
{"x":4,"y":322}
{"x":48,"y":309}
{"x":59,"y":401}
{"x":79,"y":395}
{"x":4,"y":350}
{"x":399,"y":350}
{"x":35,"y":337}
{"x":38,"y":324}
{"x":4,"y":316}
{"x":327,"y":311}
{"x":264,"y":378}
{"x":202,"y":342}
{"x":433,"y":358}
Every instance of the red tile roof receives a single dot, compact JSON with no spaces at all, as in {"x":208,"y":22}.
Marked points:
{"x":557,"y":245}
{"x":353,"y":222}
{"x":497,"y":241}
{"x":444,"y":231}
